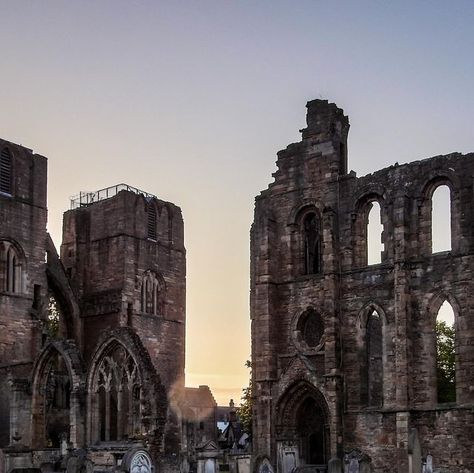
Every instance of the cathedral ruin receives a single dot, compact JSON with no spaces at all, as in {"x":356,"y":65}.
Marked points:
{"x":344,"y":352}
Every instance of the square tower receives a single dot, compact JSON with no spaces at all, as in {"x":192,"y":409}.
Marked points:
{"x":123,"y":250}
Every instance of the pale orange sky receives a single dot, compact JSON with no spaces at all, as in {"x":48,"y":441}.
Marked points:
{"x":191,"y":101}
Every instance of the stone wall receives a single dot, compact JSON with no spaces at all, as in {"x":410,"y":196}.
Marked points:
{"x":23,"y":225}
{"x":405,"y":291}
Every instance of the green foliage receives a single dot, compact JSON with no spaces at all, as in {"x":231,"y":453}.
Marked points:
{"x":53,"y":318}
{"x":244,"y":411}
{"x":445,"y":362}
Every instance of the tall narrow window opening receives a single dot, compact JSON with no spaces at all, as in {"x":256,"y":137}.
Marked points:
{"x":152,"y":294}
{"x":445,"y":354}
{"x":5,"y":171}
{"x":312,"y":244}
{"x":57,"y":402}
{"x":10,"y":268}
{"x":374,"y":340}
{"x":151,"y":227}
{"x":441,"y":219}
{"x":375,"y":245}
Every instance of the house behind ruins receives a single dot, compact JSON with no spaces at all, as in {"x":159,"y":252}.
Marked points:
{"x":343,"y":351}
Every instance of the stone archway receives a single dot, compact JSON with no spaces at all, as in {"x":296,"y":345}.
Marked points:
{"x":303,"y":436}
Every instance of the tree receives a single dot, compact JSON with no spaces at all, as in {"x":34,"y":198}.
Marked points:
{"x":244,"y":411}
{"x":445,"y":362}
{"x":52,"y":324}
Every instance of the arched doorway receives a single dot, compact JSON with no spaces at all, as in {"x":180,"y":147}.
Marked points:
{"x":310,"y":429}
{"x":302,"y":427}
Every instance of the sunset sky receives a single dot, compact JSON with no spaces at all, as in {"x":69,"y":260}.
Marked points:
{"x":191,"y":100}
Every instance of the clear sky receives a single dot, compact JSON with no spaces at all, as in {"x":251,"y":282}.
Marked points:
{"x":191,"y":100}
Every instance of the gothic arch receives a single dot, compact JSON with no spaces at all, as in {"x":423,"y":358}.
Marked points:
{"x":367,"y":310}
{"x":12,"y":266}
{"x":147,"y":401}
{"x":58,"y":356}
{"x":307,"y":245}
{"x":298,"y":210}
{"x":372,"y":342}
{"x":436,"y":301}
{"x":303,"y":420}
{"x":292,"y":398}
{"x":431,"y":343}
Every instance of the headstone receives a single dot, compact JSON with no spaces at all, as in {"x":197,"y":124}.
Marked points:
{"x":353,"y":466}
{"x":265,"y":466}
{"x":335,"y":465}
{"x":429,"y":464}
{"x":140,"y":463}
{"x":357,"y":462}
{"x":289,"y":462}
{"x":210,"y":466}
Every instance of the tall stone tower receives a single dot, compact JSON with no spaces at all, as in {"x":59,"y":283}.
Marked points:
{"x":123,"y":250}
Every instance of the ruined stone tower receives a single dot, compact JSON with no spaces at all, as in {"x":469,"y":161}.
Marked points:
{"x":92,"y":343}
{"x":343,"y":351}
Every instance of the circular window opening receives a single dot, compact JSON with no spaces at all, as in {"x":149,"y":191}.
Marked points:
{"x":311,"y":328}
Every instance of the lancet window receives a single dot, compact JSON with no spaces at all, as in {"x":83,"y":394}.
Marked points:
{"x":152,"y":294}
{"x":374,"y":340}
{"x":10,"y":274}
{"x":312,"y":243}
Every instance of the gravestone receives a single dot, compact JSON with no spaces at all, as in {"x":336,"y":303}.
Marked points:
{"x":210,"y":466}
{"x":357,"y":462}
{"x":265,"y":466}
{"x":335,"y":465}
{"x":428,"y":466}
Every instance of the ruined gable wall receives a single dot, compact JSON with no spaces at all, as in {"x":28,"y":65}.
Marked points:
{"x":407,"y":289}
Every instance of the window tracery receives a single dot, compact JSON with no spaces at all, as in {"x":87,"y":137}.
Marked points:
{"x":117,"y":385}
{"x":310,"y":329}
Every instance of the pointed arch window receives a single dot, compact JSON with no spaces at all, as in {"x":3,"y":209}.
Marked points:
{"x":374,"y":346}
{"x":6,"y":171}
{"x":11,"y":268}
{"x":152,"y":294}
{"x":312,"y":243}
{"x":52,"y":416}
{"x":445,"y":354}
{"x":117,"y":396}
